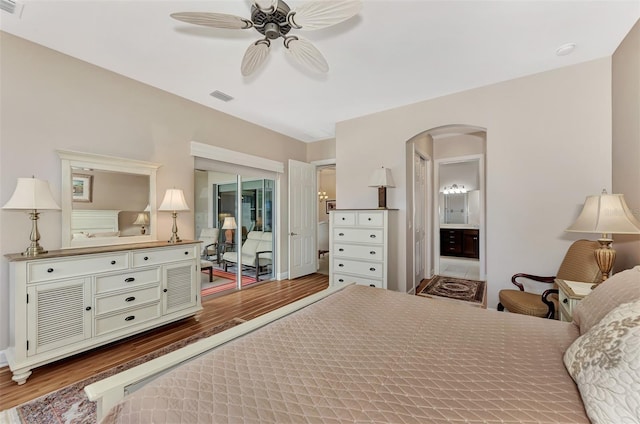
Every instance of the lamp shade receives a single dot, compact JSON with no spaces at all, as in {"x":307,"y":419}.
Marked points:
{"x":606,"y":214}
{"x":141,"y":219}
{"x":381,"y":178}
{"x":229,"y":223}
{"x":173,"y":201}
{"x":32,"y":194}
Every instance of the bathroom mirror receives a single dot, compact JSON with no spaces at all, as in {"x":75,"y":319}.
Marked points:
{"x":106,"y":200}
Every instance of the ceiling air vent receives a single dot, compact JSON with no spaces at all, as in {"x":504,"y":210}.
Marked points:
{"x":222,"y":96}
{"x":11,"y":6}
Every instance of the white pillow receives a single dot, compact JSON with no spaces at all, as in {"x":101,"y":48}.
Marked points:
{"x":605,"y":364}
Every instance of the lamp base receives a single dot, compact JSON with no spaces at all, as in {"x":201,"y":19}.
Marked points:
{"x":605,"y":258}
{"x":34,"y":250}
{"x":382,"y":198}
{"x":174,"y":236}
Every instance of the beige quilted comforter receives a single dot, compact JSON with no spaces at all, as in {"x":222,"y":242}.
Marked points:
{"x":369,"y":355}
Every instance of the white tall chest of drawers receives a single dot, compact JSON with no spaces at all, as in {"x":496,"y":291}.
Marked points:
{"x":68,"y":301}
{"x":359,"y":246}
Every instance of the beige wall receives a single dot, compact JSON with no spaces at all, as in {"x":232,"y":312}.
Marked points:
{"x":51,"y":101}
{"x":548,"y":146}
{"x":320,"y":150}
{"x":626,"y":139}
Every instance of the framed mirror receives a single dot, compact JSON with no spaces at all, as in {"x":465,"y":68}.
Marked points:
{"x":106,"y":200}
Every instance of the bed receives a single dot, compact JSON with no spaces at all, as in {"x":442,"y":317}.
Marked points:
{"x":361,"y":354}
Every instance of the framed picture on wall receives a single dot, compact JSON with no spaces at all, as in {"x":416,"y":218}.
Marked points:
{"x":82,"y":187}
{"x":330,"y":205}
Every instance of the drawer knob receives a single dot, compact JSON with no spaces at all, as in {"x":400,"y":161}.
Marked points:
{"x":372,"y":236}
{"x":130,"y":299}
{"x":343,"y":218}
{"x":146,"y":258}
{"x":372,"y":285}
{"x":341,"y":265}
{"x":50,"y":270}
{"x":372,"y":269}
{"x":164,"y":291}
{"x":129,"y":280}
{"x":130,"y":318}
{"x":373,"y":252}
{"x":113,"y":262}
{"x":88,"y":308}
{"x":341,"y":250}
{"x":368,"y":219}
{"x":565,"y":300}
{"x":186,"y":253}
{"x":341,"y":280}
{"x":341,"y":234}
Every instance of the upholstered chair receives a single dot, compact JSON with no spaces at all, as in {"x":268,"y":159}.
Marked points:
{"x":579,"y":264}
{"x":209,"y":239}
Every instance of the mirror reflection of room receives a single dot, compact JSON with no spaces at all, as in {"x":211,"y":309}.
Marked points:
{"x":226,"y":229}
{"x":326,"y":178}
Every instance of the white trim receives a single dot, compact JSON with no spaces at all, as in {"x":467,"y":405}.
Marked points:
{"x":208,"y":151}
{"x":323,"y":162}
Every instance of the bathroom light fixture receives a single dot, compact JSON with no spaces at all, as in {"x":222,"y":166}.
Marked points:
{"x":32,"y":194}
{"x":322,"y":195}
{"x":174,"y":202}
{"x":454,"y":189}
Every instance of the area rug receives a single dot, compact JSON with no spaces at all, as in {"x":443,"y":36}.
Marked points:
{"x":228,"y":283}
{"x":70,"y":405}
{"x":471,"y":291}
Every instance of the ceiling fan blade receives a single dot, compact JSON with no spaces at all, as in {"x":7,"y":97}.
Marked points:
{"x":306,"y":54}
{"x":255,"y":56}
{"x":216,"y":20}
{"x":323,"y":13}
{"x":267,"y":6}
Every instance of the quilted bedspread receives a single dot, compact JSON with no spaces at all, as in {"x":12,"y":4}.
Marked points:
{"x":369,"y":355}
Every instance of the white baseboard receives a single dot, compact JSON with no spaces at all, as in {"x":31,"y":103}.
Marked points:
{"x":283,"y":276}
{"x":3,"y":359}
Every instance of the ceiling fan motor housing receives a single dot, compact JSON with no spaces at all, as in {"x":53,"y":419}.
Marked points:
{"x":272,"y":25}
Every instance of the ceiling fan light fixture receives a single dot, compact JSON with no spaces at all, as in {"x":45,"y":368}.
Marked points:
{"x":306,"y":54}
{"x":323,"y":13}
{"x":267,"y":6}
{"x":255,"y":56}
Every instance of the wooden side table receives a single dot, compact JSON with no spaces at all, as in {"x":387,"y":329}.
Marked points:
{"x":570,"y":294}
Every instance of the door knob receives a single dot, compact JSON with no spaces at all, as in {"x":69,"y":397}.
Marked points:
{"x":293,"y":234}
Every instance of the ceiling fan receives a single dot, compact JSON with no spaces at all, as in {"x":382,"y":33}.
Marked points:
{"x":274,"y":19}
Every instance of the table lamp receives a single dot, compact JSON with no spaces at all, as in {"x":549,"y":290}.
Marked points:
{"x":382,"y":179}
{"x":142,"y":219}
{"x":32,"y":194}
{"x":229,"y":225}
{"x":606,"y":214}
{"x":174,"y":202}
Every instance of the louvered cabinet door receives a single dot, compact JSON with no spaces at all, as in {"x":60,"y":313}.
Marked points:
{"x":180,"y":287}
{"x":58,"y":315}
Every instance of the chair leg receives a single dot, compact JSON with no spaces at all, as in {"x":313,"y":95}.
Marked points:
{"x":500,"y":307}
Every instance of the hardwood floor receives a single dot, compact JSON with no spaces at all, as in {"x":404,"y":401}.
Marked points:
{"x":246,"y":304}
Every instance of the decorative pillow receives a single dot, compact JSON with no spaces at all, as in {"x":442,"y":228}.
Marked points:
{"x":605,"y":364}
{"x":620,"y":288}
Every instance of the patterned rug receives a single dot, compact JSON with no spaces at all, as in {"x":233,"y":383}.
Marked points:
{"x":70,"y":405}
{"x":224,"y":281}
{"x":455,"y":288}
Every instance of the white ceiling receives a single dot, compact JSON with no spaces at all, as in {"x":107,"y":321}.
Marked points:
{"x":393,"y":53}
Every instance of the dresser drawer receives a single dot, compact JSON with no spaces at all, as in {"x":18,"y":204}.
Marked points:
{"x":567,"y":304}
{"x":341,"y":219}
{"x":73,"y":267}
{"x":367,"y":269}
{"x":358,"y":235}
{"x":128,"y":279}
{"x":115,"y":302}
{"x":358,"y":251}
{"x":159,"y":256}
{"x":126,"y":319}
{"x":370,"y":219}
{"x":371,"y":282}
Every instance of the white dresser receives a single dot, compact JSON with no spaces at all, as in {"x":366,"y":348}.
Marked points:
{"x":359,"y":247}
{"x":69,"y":301}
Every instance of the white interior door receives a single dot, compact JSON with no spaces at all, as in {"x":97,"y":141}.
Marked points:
{"x":302,"y":219}
{"x":419,"y":218}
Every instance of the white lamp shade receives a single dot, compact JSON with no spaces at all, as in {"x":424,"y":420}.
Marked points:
{"x":306,"y":54}
{"x":323,"y":13}
{"x":173,"y":201}
{"x":31,"y":193}
{"x":606,"y":214}
{"x":229,"y":223}
{"x":382,"y":178}
{"x":141,"y":219}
